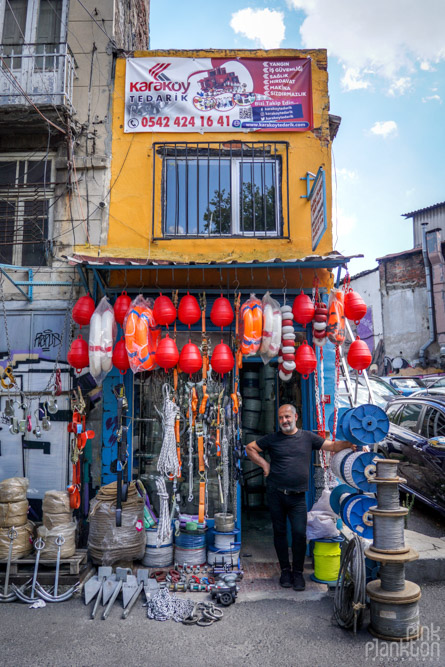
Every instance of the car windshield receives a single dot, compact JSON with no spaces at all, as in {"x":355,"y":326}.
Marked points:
{"x":437,"y":383}
{"x":362,"y":396}
{"x":381,"y":387}
{"x":407,"y":383}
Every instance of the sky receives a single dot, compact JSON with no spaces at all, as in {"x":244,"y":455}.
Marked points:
{"x":386,"y":66}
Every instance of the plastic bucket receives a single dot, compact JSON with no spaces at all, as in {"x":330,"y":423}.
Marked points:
{"x":327,"y":561}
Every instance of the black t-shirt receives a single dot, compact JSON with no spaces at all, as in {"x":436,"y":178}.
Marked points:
{"x":290,"y":458}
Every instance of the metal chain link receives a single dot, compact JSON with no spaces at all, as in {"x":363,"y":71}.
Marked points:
{"x":2,"y":297}
{"x":163,"y":607}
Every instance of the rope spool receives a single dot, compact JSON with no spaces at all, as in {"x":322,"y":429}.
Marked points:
{"x":394,"y":615}
{"x":224,"y":523}
{"x":338,"y":495}
{"x":190,"y":556}
{"x":13,"y":489}
{"x":158,"y":556}
{"x":356,"y":515}
{"x":151,"y":535}
{"x":388,"y":494}
{"x":392,"y":576}
{"x":359,"y":470}
{"x":226,"y":541}
{"x":336,"y":463}
{"x":13,"y":514}
{"x":326,"y":560}
{"x":389,"y":531}
{"x":365,"y":425}
{"x":225,"y":557}
{"x":387,"y":469}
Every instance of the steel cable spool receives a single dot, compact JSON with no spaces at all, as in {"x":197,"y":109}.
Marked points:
{"x":387,"y":469}
{"x":365,"y":425}
{"x":190,"y":548}
{"x":389,"y":531}
{"x":388,"y":497}
{"x":394,"y":614}
{"x":356,"y":515}
{"x":337,"y":462}
{"x":358,"y":470}
{"x":392,"y":576}
{"x":340,"y":414}
{"x":338,"y":494}
{"x":224,"y":523}
{"x":158,"y":556}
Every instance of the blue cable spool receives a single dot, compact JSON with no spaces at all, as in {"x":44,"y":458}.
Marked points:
{"x":359,"y":470}
{"x":355,"y":513}
{"x":190,"y":541}
{"x":365,"y":425}
{"x":336,"y":494}
{"x":339,"y":434}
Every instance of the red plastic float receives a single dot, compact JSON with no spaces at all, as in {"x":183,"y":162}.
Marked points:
{"x":222,"y":359}
{"x":83,"y":310}
{"x":305,"y":360}
{"x":167,"y":355}
{"x":121,"y":307}
{"x":78,"y":356}
{"x":303,"y":309}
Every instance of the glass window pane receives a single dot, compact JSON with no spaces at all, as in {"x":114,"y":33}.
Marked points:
{"x":215,"y":197}
{"x":7,"y":221}
{"x":8,"y":173}
{"x":14,"y":23}
{"x":38,"y":171}
{"x":410,"y":416}
{"x":35,"y":232}
{"x":257,"y":196}
{"x":393,"y":414}
{"x":48,"y":32}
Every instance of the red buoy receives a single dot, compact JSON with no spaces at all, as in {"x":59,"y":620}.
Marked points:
{"x":222,"y":360}
{"x":120,"y":357}
{"x":305,"y":360}
{"x":189,"y":311}
{"x":164,"y":311}
{"x":167,"y":354}
{"x":359,"y":355}
{"x":355,"y":307}
{"x":190,"y":360}
{"x":221,"y":314}
{"x":78,"y":354}
{"x":303,"y":309}
{"x":121,"y":307}
{"x":83,"y":310}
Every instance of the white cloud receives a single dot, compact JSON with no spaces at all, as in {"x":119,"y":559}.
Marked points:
{"x":426,"y":66}
{"x":400,"y":86}
{"x":265,"y":26}
{"x":384,"y":128}
{"x":382,"y":37}
{"x":346,"y":224}
{"x":347,"y":174}
{"x":432,"y":98}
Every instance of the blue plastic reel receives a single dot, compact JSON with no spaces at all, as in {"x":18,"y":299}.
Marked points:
{"x":363,"y":471}
{"x":365,"y":425}
{"x":339,"y":434}
{"x":359,"y":520}
{"x":336,"y":494}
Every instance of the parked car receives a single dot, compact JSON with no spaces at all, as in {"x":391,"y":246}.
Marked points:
{"x":417,"y":438}
{"x":381,"y":390}
{"x":434,"y":381}
{"x":406,"y":385}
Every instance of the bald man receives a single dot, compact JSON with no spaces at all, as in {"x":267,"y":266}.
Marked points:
{"x":287,"y":480}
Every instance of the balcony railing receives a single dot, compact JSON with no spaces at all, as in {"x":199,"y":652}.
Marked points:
{"x":40,"y":73}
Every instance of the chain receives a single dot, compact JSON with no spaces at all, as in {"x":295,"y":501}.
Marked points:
{"x":336,"y":386}
{"x":163,"y":607}
{"x":2,"y":297}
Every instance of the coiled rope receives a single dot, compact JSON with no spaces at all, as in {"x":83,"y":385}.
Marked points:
{"x":168,"y":463}
{"x":164,"y":525}
{"x":392,"y":576}
{"x":350,"y":592}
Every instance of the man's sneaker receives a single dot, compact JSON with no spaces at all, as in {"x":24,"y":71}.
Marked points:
{"x":286,"y":579}
{"x":299,"y":583}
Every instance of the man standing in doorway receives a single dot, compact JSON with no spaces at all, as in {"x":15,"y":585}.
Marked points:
{"x":287,"y":476}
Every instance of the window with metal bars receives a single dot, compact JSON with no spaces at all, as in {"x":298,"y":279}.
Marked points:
{"x":26,"y":190}
{"x":223,"y":189}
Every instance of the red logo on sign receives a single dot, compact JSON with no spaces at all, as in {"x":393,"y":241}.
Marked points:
{"x":157,"y":69}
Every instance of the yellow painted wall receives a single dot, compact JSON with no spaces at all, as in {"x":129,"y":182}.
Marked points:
{"x":130,"y":209}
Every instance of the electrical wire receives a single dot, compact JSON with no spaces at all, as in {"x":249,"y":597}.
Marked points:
{"x":350,"y":592}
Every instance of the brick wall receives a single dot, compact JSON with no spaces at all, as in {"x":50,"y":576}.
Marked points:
{"x":402,"y":272}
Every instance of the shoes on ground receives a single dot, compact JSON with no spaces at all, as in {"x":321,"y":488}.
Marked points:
{"x":286,"y":578}
{"x":298,"y":583}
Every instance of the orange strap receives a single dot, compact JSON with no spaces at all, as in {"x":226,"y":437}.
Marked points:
{"x":178,"y":443}
{"x":205,"y":398}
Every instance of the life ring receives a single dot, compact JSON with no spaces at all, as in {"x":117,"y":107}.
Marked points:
{"x":275,"y":341}
{"x":268,"y":317}
{"x":107,"y":340}
{"x":95,"y":345}
{"x":252,"y":315}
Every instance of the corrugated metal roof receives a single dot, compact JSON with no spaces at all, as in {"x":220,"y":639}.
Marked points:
{"x":402,"y":253}
{"x":423,"y":210}
{"x":86,"y":260}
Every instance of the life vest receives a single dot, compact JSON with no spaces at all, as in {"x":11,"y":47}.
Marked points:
{"x":141,"y":338}
{"x":335,"y":327}
{"x":252,"y":315}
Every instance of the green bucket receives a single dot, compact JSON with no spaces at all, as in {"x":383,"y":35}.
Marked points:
{"x":326,"y":560}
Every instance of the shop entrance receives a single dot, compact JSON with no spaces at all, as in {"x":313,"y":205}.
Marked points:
{"x":262,"y":395}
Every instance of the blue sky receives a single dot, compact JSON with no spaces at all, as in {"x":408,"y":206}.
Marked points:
{"x":386,"y":80}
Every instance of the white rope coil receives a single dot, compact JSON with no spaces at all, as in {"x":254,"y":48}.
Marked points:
{"x":336,"y":462}
{"x":168,"y":463}
{"x":151,"y":538}
{"x":225,"y":542}
{"x":162,"y":557}
{"x":164,"y":525}
{"x":190,"y":556}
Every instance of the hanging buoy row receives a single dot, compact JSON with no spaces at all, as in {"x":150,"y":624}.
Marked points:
{"x":286,"y":358}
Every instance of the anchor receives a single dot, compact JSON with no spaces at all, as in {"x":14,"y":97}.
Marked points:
{"x":132,"y":588}
{"x":39,"y":544}
{"x":121,"y":577}
{"x":5,"y":596}
{"x":95,"y":586}
{"x":45,"y":595}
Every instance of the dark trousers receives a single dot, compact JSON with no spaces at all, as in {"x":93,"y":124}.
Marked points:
{"x":292,"y":507}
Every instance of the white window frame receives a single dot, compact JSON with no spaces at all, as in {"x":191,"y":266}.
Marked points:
{"x":22,"y":194}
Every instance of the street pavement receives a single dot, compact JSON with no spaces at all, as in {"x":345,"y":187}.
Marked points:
{"x":296,"y":631}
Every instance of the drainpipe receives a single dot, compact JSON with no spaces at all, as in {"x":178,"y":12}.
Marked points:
{"x":435,"y":256}
{"x":429,"y":290}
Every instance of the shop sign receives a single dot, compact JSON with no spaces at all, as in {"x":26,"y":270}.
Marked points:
{"x":218,"y":94}
{"x":316,"y":195}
